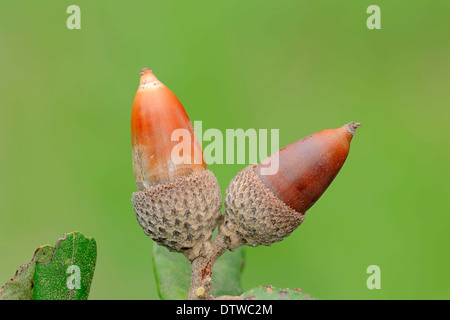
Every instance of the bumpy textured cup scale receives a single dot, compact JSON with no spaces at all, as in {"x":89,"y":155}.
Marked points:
{"x":178,"y":202}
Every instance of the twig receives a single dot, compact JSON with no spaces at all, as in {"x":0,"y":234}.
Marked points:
{"x":201,"y":274}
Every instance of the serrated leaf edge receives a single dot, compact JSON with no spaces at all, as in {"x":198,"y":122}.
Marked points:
{"x":63,"y":239}
{"x":26,"y":265}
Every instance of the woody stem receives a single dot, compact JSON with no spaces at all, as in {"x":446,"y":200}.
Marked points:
{"x":201,"y":274}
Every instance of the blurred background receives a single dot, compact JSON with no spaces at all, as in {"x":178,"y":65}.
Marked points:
{"x":297,"y":66}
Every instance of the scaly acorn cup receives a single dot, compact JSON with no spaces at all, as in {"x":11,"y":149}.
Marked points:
{"x":178,"y":200}
{"x":262,"y":209}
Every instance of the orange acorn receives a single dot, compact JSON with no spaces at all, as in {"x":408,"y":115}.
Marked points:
{"x":265,"y":208}
{"x":178,"y":200}
{"x":156,"y":115}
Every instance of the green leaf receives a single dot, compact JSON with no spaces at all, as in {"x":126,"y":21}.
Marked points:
{"x":273,"y":293}
{"x":227,"y":273}
{"x":173,"y":273}
{"x":20,"y":287}
{"x":68,"y":275}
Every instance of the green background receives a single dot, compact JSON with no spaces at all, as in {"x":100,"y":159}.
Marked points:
{"x":297,"y":66}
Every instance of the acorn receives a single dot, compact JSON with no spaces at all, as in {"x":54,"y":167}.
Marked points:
{"x":264,"y":207}
{"x":178,"y":200}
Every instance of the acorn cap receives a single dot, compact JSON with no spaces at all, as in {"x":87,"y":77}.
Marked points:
{"x":181,"y":214}
{"x":253,"y":214}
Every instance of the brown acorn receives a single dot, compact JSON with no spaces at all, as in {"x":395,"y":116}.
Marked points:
{"x":178,"y":200}
{"x":262,"y":209}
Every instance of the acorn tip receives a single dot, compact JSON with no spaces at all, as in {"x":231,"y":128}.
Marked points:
{"x":352,"y":126}
{"x":148,"y":80}
{"x":145,"y":71}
